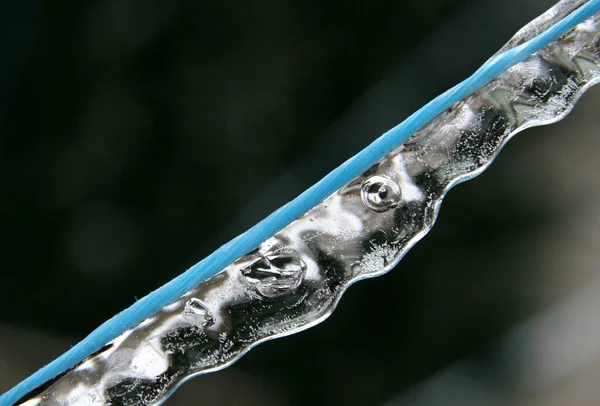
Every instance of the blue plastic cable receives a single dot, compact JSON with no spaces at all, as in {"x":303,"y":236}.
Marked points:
{"x":339,"y":177}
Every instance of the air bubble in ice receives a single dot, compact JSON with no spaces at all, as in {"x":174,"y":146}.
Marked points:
{"x":275,"y":274}
{"x":196,"y":313}
{"x":379,"y":193}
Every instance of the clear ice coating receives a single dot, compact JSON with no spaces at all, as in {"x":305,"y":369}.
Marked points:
{"x":294,"y":279}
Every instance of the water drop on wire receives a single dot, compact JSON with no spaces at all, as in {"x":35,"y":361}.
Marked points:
{"x":380,"y":194}
{"x":196,"y":313}
{"x":275,"y":274}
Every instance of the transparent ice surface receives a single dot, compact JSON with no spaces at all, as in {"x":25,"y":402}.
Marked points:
{"x":294,"y":279}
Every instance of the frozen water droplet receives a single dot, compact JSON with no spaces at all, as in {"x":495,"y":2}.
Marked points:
{"x":275,"y":274}
{"x":196,"y":313}
{"x":379,"y":193}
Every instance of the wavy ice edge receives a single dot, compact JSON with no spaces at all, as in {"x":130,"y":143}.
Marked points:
{"x":294,"y":279}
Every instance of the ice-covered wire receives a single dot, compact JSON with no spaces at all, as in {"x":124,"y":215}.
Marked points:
{"x":247,"y":241}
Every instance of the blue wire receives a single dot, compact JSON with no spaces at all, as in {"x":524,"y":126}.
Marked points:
{"x":249,"y":240}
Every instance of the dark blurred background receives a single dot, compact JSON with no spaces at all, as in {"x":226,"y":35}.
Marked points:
{"x":140,"y":135}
